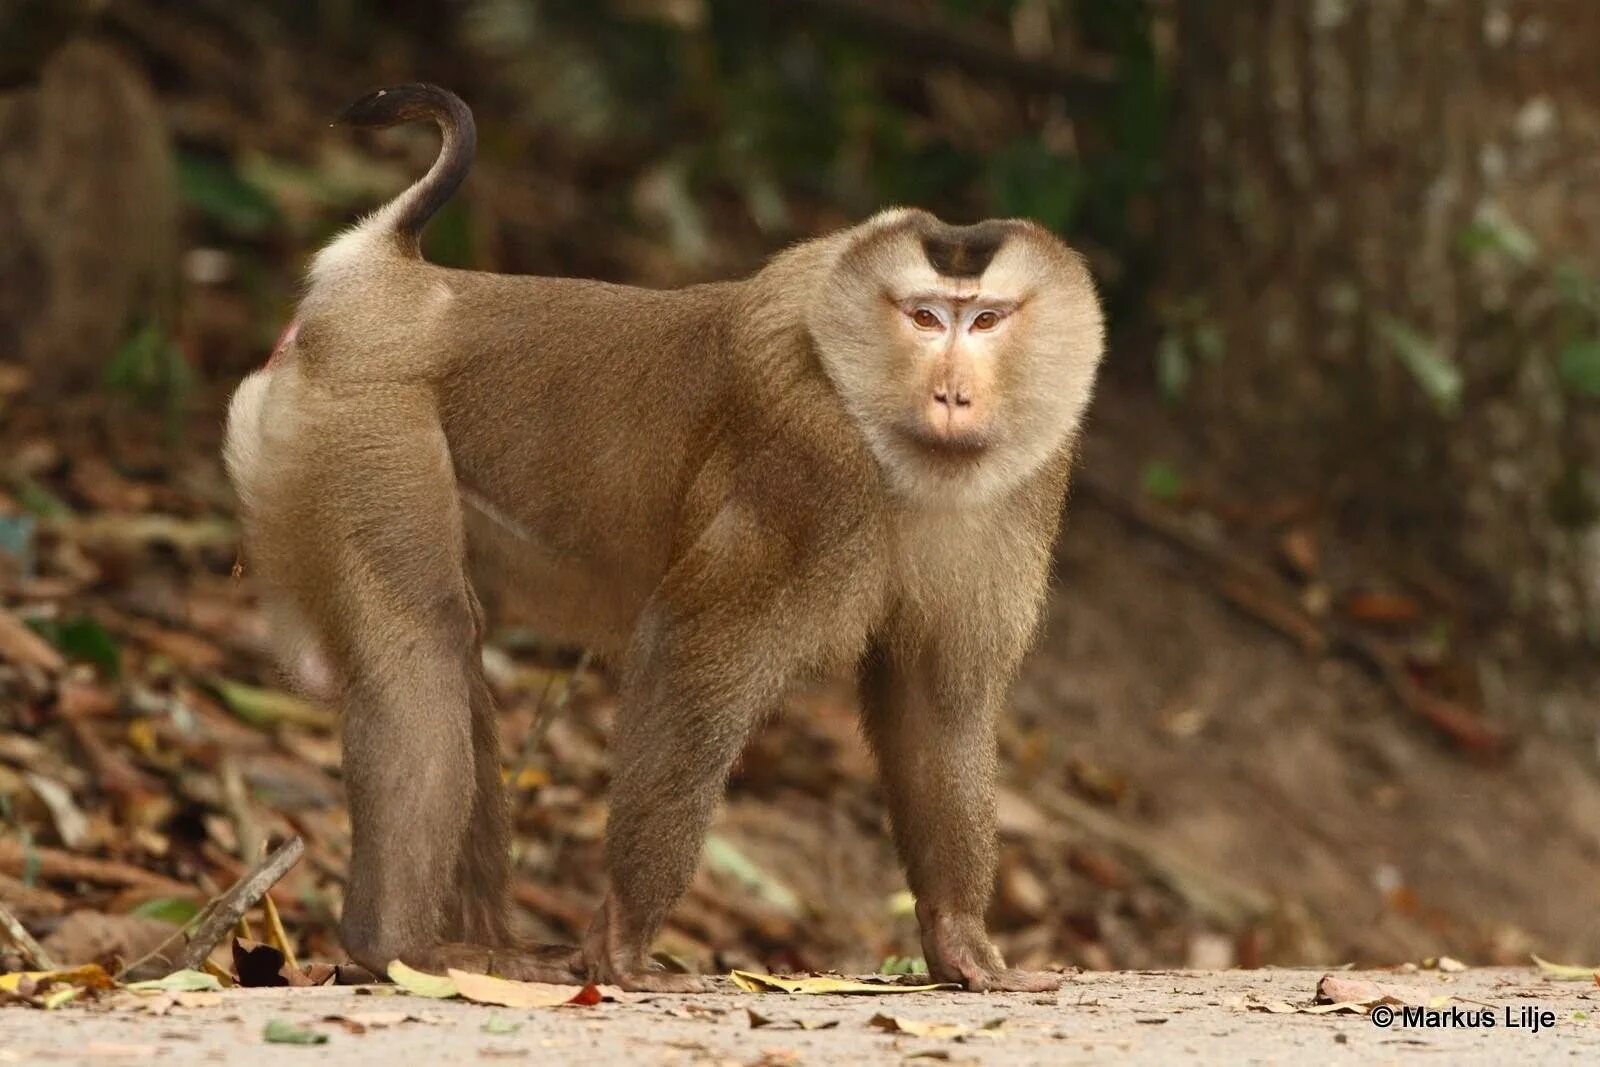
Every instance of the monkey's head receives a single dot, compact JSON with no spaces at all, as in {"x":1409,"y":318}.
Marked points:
{"x":966,"y":354}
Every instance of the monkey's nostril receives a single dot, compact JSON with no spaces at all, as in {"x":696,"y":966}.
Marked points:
{"x":963,"y":399}
{"x":942,"y":395}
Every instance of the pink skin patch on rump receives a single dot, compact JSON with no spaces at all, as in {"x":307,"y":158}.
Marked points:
{"x":285,"y":339}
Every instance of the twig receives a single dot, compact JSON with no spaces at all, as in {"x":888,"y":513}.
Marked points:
{"x":230,"y":907}
{"x":551,"y":904}
{"x":21,"y":645}
{"x":547,"y":712}
{"x":54,"y":864}
{"x":1231,"y":904}
{"x":1461,"y":725}
{"x":237,"y":798}
{"x":1261,"y":594}
{"x":277,"y":935}
{"x":30,"y":899}
{"x":1249,"y":587}
{"x":20,"y":937}
{"x":547,"y":715}
{"x":113,"y":772}
{"x":131,"y":971}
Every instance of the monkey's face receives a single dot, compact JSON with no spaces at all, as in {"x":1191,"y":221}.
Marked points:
{"x":965,"y":354}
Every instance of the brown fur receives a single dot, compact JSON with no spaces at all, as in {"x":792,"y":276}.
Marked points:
{"x":692,"y":479}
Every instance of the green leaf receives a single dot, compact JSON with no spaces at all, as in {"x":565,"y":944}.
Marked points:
{"x":174,"y":910}
{"x":153,"y":371}
{"x":723,"y":856}
{"x":1172,"y":367}
{"x":420,"y":984}
{"x":279,"y":1032}
{"x":1161,"y":480}
{"x":1566,"y":972}
{"x":1579,"y":368}
{"x":1438,"y":377}
{"x":185,"y":981}
{"x":212,"y":188}
{"x":1029,"y":180}
{"x":497,"y":1025}
{"x":903,"y":965}
{"x":84,"y":640}
{"x":38,"y":501}
{"x":266,"y":708}
{"x":1494,"y":232}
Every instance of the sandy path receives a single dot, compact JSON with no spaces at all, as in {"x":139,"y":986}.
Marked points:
{"x":1150,"y":1017}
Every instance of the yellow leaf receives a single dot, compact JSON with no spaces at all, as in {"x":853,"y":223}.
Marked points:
{"x":1566,"y":972}
{"x":61,"y":995}
{"x":90,"y":976}
{"x":751,"y":982}
{"x":531,"y":778}
{"x":438,"y":987}
{"x":916,"y":1027}
{"x":487,"y":989}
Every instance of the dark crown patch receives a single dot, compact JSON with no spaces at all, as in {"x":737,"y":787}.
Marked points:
{"x":963,"y":251}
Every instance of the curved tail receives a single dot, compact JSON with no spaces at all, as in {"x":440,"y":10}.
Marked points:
{"x":406,"y":214}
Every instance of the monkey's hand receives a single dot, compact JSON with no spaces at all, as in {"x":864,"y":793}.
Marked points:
{"x":959,"y":950}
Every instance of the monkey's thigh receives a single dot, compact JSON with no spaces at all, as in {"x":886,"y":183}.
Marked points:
{"x":364,"y":531}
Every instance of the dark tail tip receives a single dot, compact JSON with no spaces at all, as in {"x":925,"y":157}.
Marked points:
{"x":412,"y":102}
{"x":401,"y":103}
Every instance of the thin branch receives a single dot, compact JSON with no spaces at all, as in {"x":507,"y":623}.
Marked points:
{"x":1262,"y":595}
{"x":31,"y":949}
{"x":224,"y":913}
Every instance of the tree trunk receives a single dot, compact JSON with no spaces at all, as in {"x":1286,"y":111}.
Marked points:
{"x":88,"y":215}
{"x":1384,"y":239}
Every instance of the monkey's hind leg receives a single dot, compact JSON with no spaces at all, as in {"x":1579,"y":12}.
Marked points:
{"x":368,"y":542}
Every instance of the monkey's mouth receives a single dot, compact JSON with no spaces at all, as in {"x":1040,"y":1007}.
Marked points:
{"x":962,"y":447}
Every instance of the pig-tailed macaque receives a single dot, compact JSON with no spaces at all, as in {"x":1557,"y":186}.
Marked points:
{"x":854,"y":460}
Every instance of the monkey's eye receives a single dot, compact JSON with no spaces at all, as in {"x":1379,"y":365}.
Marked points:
{"x":986,"y":320}
{"x":926,"y":319}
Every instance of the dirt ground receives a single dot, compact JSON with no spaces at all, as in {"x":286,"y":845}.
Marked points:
{"x":1157,"y":1017}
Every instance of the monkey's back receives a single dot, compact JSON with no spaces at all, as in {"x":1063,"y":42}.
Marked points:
{"x":611,"y":394}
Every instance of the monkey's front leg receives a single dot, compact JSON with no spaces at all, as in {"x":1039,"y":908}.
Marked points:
{"x":690,"y":700}
{"x":931,"y":724}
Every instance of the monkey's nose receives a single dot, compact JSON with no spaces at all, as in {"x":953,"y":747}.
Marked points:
{"x":960,"y":397}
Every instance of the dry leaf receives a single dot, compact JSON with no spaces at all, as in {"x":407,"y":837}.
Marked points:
{"x":916,"y":1028}
{"x":359,"y":1022}
{"x":1388,"y":608}
{"x":759,"y":1021}
{"x":1336,"y":990}
{"x":1566,"y":972}
{"x":751,"y":982}
{"x":486,"y":989}
{"x":28,"y":983}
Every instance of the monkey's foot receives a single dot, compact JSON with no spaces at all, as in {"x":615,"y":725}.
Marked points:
{"x":958,"y":950}
{"x":554,"y":964}
{"x":648,"y":981}
{"x":614,"y":956}
{"x":1011,"y":980}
